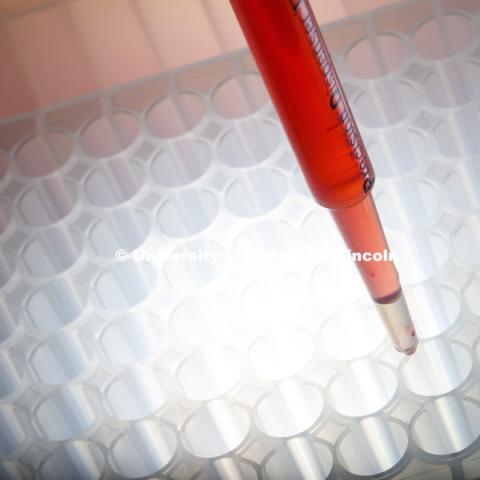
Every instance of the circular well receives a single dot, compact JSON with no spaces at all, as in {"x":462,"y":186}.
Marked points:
{"x":256,"y":193}
{"x":282,"y":353}
{"x":114,"y":182}
{"x":174,"y":116}
{"x":240,"y":96}
{"x":80,"y":459}
{"x":362,"y":58}
{"x":447,"y":425}
{"x":125,"y":285}
{"x":181,"y":162}
{"x":216,"y":429}
{"x":47,"y":201}
{"x":108,"y":135}
{"x":43,"y":154}
{"x":188,"y":212}
{"x":136,"y":392}
{"x":435,"y":41}
{"x":289,"y":409}
{"x":13,"y":429}
{"x":7,"y":266}
{"x":438,"y":367}
{"x":354,"y":331}
{"x":64,"y":413}
{"x":372,"y":447}
{"x":298,"y":460}
{"x":56,"y":304}
{"x":363,"y":388}
{"x":208,"y":372}
{"x":61,"y":357}
{"x":54,"y":250}
{"x":11,"y":375}
{"x":144,"y":449}
{"x":131,"y":338}
{"x":249,"y":143}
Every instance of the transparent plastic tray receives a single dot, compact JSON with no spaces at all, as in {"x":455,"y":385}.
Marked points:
{"x":175,"y":305}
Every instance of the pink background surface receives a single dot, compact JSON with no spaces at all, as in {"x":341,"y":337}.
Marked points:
{"x":54,"y":50}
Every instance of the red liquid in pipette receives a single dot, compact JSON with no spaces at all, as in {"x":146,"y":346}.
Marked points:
{"x":299,"y":74}
{"x":297,"y":79}
{"x":359,"y":227}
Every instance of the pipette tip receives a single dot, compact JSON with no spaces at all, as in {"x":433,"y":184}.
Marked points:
{"x":398,"y":322}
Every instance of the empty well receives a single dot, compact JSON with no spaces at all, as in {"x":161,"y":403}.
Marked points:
{"x":215,"y":429}
{"x":405,"y":203}
{"x":204,"y":319}
{"x":289,"y":409}
{"x":115,"y":182}
{"x":256,"y":193}
{"x":78,"y":459}
{"x":438,"y":367}
{"x":363,"y":388}
{"x":125,"y":285}
{"x":194,"y":264}
{"x":398,"y":151}
{"x":447,"y":425}
{"x":64,"y":413}
{"x":442,"y":37}
{"x":188,"y":212}
{"x":273,"y":300}
{"x":381,"y":55}
{"x":456,"y":133}
{"x":13,"y":429}
{"x":239,"y":96}
{"x":7,"y":266}
{"x":450,"y":85}
{"x":462,"y":186}
{"x":11,"y":374}
{"x":230,"y":467}
{"x":181,"y":162}
{"x":44,"y":153}
{"x":264,"y":243}
{"x":5,"y":216}
{"x":52,"y":251}
{"x":60,"y":358}
{"x":56,"y":303}
{"x":13,"y":470}
{"x":387,"y":103}
{"x":337,"y":282}
{"x":301,"y":458}
{"x":176,"y":115}
{"x":281,"y":353}
{"x":143,"y":449}
{"x":4,"y":166}
{"x":137,"y":392}
{"x":121,"y":228}
{"x":434,"y":308}
{"x":110,"y":134}
{"x":354,"y":331}
{"x":373,"y":446}
{"x":465,"y":241}
{"x":9,"y":317}
{"x":47,"y":201}
{"x":419,"y":255}
{"x":248,"y":143}
{"x":131,"y":338}
{"x":472,"y":295}
{"x":209,"y":372}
